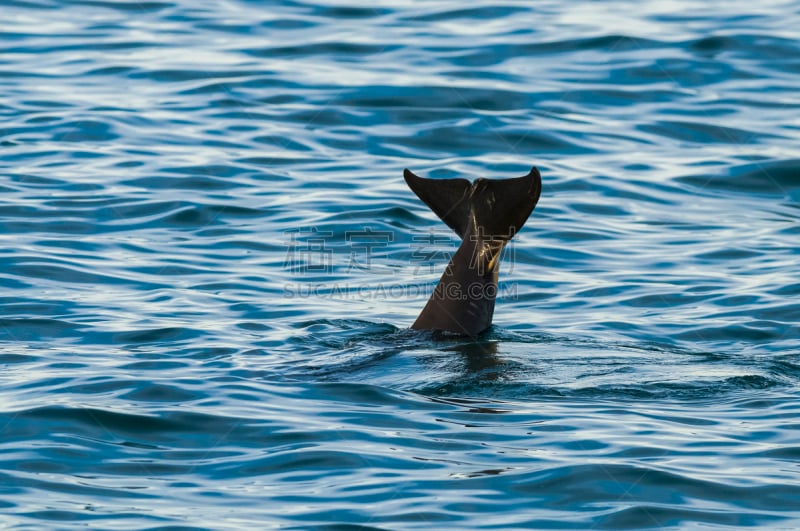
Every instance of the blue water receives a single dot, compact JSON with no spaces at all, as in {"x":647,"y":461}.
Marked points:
{"x":210,"y":261}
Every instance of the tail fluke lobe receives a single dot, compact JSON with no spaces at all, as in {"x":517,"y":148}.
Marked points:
{"x":448,"y":198}
{"x":499,"y":208}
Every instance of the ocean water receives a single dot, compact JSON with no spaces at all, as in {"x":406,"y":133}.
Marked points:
{"x":210,"y":261}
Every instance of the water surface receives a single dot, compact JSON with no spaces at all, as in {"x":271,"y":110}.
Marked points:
{"x":210,"y":261}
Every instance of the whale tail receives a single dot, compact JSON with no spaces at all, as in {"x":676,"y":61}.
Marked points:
{"x":496,"y":208}
{"x":486,"y":214}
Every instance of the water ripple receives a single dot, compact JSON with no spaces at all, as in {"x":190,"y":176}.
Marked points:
{"x":191,"y":321}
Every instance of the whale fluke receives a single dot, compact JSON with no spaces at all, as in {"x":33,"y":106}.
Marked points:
{"x":486,"y":214}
